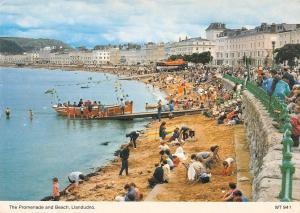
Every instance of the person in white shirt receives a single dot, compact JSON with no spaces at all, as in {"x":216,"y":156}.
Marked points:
{"x":167,"y":171}
{"x":74,"y":179}
{"x":197,"y":165}
{"x":180,"y":153}
{"x":164,"y":147}
{"x":228,"y":166}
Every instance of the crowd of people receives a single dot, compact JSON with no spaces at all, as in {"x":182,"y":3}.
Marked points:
{"x":217,"y":103}
{"x":283,"y":84}
{"x":196,"y":90}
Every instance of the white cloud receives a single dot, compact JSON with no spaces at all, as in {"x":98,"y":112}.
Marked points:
{"x":94,"y":21}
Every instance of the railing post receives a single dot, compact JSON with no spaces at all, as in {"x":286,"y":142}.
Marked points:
{"x":287,"y":167}
{"x":284,"y":117}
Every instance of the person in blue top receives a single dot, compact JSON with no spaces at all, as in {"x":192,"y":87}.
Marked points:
{"x":281,"y":88}
{"x":131,"y":193}
{"x":239,"y":197}
{"x":268,"y":80}
{"x":171,"y":106}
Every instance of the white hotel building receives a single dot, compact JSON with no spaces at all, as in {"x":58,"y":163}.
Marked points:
{"x":233,"y":44}
{"x":189,"y":46}
{"x":289,"y":37}
{"x":101,"y":56}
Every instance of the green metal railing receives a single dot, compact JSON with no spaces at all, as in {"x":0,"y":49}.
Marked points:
{"x":234,"y":79}
{"x":276,"y":108}
{"x":279,"y":112}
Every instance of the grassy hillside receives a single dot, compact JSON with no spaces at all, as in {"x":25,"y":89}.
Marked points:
{"x":30,"y":44}
{"x":10,"y":47}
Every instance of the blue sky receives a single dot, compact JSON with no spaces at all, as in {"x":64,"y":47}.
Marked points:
{"x":91,"y":22}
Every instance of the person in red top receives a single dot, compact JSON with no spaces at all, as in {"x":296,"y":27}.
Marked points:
{"x":295,"y":121}
{"x":55,"y":189}
{"x":176,"y":161}
{"x":229,"y":195}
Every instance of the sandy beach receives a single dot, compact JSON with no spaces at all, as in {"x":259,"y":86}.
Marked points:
{"x":106,"y":184}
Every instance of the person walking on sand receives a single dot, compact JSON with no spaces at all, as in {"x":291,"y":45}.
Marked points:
{"x":55,"y":189}
{"x":124,"y":155}
{"x":159,"y":109}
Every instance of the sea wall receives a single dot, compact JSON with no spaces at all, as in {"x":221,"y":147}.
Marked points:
{"x":265,"y":147}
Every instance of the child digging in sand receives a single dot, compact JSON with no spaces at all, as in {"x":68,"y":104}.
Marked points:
{"x":228,"y":167}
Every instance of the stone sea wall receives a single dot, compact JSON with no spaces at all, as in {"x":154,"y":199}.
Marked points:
{"x":265,"y":147}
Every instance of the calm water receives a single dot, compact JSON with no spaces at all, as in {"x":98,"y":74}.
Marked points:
{"x":32,"y":152}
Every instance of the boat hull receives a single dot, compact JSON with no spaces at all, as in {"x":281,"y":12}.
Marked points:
{"x":95,"y":112}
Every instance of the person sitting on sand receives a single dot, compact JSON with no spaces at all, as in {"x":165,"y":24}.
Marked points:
{"x":176,"y":161}
{"x":175,"y":135}
{"x":229,"y":195}
{"x":138,"y":194}
{"x":180,"y":153}
{"x":163,"y":146}
{"x":168,"y":159}
{"x":158,"y":176}
{"x":74,"y":179}
{"x":221,"y":118}
{"x":168,"y":152}
{"x":55,"y":189}
{"x":228,"y":167}
{"x":167,"y":171}
{"x":239,"y":197}
{"x":130,"y":194}
{"x":162,"y":130}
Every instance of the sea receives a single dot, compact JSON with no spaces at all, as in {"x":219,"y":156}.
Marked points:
{"x":33,"y":151}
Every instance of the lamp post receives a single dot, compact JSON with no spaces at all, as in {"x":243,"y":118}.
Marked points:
{"x":210,"y":61}
{"x":273,"y":50}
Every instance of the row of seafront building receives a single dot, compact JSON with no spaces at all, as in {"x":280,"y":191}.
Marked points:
{"x":227,"y":46}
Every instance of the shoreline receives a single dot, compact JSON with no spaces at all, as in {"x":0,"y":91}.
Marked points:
{"x":106,"y":184}
{"x":103,"y":185}
{"x":111,"y":158}
{"x":109,"y":69}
